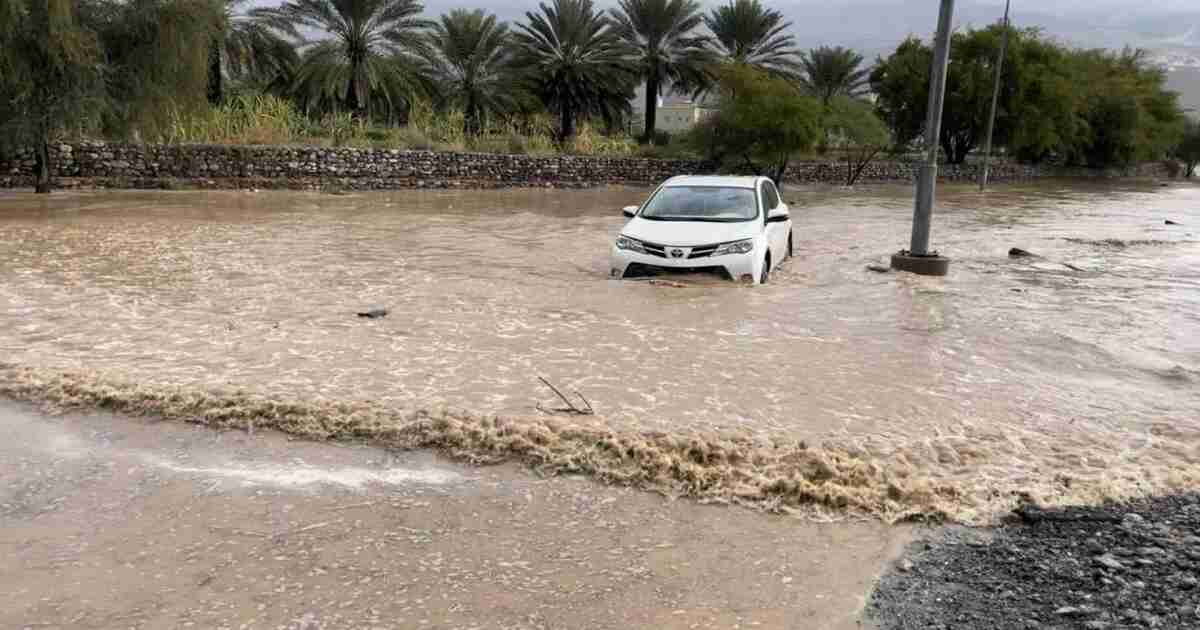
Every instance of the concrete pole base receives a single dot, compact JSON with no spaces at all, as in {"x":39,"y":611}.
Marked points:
{"x":928,"y":265}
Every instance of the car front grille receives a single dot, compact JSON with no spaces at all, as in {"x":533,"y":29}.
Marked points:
{"x":700,"y":251}
{"x":654,"y":249}
{"x":639,"y":270}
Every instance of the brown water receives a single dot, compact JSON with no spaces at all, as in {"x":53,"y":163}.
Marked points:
{"x":1008,"y":376}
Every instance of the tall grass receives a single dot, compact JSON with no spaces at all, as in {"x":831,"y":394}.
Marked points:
{"x":257,"y":119}
{"x":244,"y":119}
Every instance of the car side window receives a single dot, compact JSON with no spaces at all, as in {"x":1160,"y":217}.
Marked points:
{"x":770,"y":195}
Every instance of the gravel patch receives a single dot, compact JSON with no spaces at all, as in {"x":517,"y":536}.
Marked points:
{"x":1117,"y":566}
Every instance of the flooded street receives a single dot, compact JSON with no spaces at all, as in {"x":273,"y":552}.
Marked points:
{"x":111,"y":522}
{"x":1072,"y":382}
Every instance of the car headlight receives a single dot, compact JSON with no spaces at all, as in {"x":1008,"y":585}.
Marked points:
{"x":736,"y":247}
{"x":631,"y":244}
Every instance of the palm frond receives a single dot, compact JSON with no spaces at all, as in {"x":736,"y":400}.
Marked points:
{"x":748,"y":33}
{"x":831,"y":72}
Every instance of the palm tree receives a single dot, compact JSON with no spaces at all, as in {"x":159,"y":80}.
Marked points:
{"x":245,"y":48}
{"x":473,"y":64}
{"x":750,"y":34}
{"x":370,"y":54}
{"x":660,"y":33}
{"x":831,"y":72}
{"x":576,"y":62}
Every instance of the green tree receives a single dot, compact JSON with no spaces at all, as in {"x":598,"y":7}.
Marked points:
{"x":50,"y":76}
{"x":832,"y":72}
{"x":1188,"y":150}
{"x":856,"y":133}
{"x":368,"y":59}
{"x":660,"y":34}
{"x":473,"y":65}
{"x":1040,"y":100}
{"x":157,"y":61}
{"x":1085,"y":106}
{"x":1126,"y":113}
{"x":245,"y":48}
{"x":750,"y":34}
{"x":901,"y":83}
{"x":576,"y":63}
{"x":762,"y":123}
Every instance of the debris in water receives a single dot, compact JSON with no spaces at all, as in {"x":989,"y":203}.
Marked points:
{"x":1170,"y":222}
{"x":374,"y":313}
{"x":666,"y":283}
{"x":1017,"y":252}
{"x":586,"y":410}
{"x":1120,"y":243}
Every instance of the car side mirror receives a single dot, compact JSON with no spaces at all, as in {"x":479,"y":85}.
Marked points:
{"x":778,"y":215}
{"x":629,"y":211}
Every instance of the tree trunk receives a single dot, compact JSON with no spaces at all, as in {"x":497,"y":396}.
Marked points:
{"x":864,"y":160}
{"x":651,"y":110}
{"x":215,"y":88}
{"x":780,"y":171}
{"x":43,"y":166}
{"x":352,"y":103}
{"x":567,"y":123}
{"x":956,"y":149}
{"x":471,"y":123}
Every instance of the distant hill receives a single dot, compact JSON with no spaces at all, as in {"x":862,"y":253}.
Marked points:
{"x":1186,"y":81}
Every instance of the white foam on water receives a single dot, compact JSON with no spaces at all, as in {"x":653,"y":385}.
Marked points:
{"x":290,"y":477}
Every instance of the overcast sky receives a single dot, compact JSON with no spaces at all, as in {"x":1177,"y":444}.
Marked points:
{"x":876,"y":25}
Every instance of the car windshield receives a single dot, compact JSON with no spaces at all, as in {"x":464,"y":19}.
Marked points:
{"x":702,"y":203}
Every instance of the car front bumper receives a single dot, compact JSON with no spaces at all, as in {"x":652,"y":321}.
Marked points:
{"x":630,"y":264}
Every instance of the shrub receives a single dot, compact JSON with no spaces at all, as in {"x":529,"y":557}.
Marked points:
{"x":411,"y":138}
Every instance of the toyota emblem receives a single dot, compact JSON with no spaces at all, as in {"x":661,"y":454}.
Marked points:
{"x":676,"y":253}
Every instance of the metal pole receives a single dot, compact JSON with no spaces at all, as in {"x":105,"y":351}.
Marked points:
{"x":991,"y":127}
{"x":933,"y":132}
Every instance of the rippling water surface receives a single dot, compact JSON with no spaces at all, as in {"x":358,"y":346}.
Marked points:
{"x":1006,"y":373}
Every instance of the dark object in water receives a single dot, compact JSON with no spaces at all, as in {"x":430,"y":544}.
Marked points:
{"x":879,"y":268}
{"x":374,"y":313}
{"x":1170,"y":222}
{"x":1017,"y":252}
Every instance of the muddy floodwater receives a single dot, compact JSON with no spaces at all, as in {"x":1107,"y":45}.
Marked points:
{"x":1072,"y":376}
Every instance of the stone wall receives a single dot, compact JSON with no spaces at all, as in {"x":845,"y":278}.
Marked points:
{"x":97,"y":164}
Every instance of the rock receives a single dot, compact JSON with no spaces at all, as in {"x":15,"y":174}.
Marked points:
{"x":879,"y":268}
{"x":1075,"y":611}
{"x":374,"y":313}
{"x":1109,"y":562}
{"x":1170,"y":222}
{"x":906,"y":565}
{"x":1132,"y":520}
{"x":1017,"y":252}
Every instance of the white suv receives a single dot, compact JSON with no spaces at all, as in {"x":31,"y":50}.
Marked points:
{"x":734,"y":226}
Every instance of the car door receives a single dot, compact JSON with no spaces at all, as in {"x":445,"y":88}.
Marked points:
{"x":777,"y":233}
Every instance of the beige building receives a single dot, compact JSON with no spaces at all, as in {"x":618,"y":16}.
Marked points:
{"x":680,"y":116}
{"x":674,"y":115}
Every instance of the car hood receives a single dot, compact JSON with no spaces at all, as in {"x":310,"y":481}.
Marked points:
{"x":690,"y":233}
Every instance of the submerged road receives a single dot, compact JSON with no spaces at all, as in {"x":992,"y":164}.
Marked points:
{"x":112,"y":522}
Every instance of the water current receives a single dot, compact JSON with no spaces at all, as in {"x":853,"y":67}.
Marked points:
{"x":1072,"y":376}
